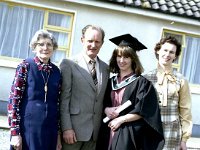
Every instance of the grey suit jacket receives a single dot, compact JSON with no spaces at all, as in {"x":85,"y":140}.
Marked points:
{"x":81,"y":105}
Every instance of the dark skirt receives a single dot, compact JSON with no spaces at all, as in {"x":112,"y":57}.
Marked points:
{"x":135,"y":135}
{"x":39,"y":127}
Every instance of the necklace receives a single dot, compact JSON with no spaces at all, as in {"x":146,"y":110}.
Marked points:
{"x":45,"y":84}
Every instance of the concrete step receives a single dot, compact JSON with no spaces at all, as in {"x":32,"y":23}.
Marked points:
{"x":193,"y":143}
{"x":4,"y":122}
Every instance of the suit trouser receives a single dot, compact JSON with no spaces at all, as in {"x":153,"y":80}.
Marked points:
{"x":85,"y":145}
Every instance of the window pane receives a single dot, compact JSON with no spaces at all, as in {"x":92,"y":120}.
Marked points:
{"x":58,"y":56}
{"x":59,"y":20}
{"x":61,"y":37}
{"x":175,"y":69}
{"x":178,"y":37}
{"x":18,"y":25}
{"x":191,"y":60}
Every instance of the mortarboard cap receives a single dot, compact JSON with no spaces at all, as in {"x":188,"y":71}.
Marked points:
{"x":128,"y":40}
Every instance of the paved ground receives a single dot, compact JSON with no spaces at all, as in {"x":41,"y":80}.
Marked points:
{"x":193,"y":143}
{"x":4,"y":139}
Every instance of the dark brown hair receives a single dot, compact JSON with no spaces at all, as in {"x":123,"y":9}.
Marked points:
{"x":171,"y":40}
{"x":127,"y":52}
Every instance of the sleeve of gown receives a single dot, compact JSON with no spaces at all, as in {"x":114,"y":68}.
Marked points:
{"x":185,"y":110}
{"x":107,"y":97}
{"x":147,"y":105}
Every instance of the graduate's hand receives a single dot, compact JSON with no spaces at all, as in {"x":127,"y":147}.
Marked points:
{"x":69,"y":136}
{"x":183,"y":146}
{"x":110,"y":112}
{"x":115,"y":123}
{"x":59,"y":145}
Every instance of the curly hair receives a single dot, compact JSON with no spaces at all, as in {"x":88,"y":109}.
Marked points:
{"x":43,"y":34}
{"x":171,"y":40}
{"x":127,"y":52}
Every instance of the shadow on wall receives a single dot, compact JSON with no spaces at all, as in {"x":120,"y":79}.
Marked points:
{"x":196,"y":131}
{"x":3,"y":107}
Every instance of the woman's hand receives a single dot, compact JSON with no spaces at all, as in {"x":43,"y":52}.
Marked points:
{"x":16,"y":142}
{"x":183,"y":146}
{"x":59,"y":145}
{"x":110,"y":112}
{"x":115,"y":123}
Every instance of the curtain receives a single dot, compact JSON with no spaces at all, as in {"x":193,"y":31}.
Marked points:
{"x":18,"y":25}
{"x":62,"y":38}
{"x":191,"y":60}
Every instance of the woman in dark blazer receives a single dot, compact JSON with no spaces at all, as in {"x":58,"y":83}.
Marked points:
{"x":34,"y":98}
{"x":138,"y":127}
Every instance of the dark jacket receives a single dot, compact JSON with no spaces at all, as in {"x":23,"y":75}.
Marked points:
{"x":143,"y":134}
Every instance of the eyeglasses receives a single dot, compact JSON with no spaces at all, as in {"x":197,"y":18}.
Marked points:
{"x":48,"y":45}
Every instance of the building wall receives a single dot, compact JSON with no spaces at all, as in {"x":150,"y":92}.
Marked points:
{"x":147,"y":29}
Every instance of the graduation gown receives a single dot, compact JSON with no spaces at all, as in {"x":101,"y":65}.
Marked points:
{"x":143,"y":134}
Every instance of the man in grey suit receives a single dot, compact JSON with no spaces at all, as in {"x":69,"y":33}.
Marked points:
{"x":81,"y":96}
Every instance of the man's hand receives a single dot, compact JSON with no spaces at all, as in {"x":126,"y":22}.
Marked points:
{"x":69,"y":136}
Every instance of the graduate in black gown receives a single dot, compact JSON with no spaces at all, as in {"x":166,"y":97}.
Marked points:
{"x":139,"y":126}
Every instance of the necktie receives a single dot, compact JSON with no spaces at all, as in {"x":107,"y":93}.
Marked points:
{"x":93,"y":71}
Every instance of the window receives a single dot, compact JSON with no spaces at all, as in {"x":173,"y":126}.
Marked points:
{"x":189,"y":60}
{"x":19,"y":23}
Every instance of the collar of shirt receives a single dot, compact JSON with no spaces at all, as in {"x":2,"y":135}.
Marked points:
{"x":124,"y":78}
{"x":42,"y":66}
{"x":165,"y":75}
{"x":116,"y":84}
{"x":87,"y":58}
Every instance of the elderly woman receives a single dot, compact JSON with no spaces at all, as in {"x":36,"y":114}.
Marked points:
{"x":34,"y":98}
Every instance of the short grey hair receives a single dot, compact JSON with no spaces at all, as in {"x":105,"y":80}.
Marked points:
{"x":95,"y":28}
{"x":43,"y":34}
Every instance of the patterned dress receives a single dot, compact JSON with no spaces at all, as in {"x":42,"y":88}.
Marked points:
{"x":32,"y":113}
{"x":175,"y":104}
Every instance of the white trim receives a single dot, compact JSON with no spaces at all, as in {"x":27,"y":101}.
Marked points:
{"x":41,"y":4}
{"x":139,"y":11}
{"x":4,"y":122}
{"x":195,"y":89}
{"x":175,"y":29}
{"x":72,"y":34}
{"x":8,"y":63}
